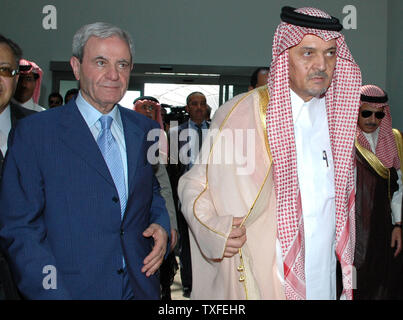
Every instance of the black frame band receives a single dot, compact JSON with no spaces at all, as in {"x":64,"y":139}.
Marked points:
{"x":371,"y":99}
{"x":289,"y":15}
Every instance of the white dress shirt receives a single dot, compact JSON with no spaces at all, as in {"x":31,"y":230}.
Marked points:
{"x":317,"y":188}
{"x":91,"y":117}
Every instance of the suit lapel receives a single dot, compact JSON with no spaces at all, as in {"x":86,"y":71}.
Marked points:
{"x":134,"y":138}
{"x":78,"y":137}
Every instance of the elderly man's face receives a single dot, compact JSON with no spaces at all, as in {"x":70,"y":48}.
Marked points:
{"x":104,"y":72}
{"x":368,"y":119}
{"x":7,"y":84}
{"x":311,"y":66}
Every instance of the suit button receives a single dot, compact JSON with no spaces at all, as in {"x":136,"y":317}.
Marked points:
{"x":122,"y":232}
{"x":115,"y":199}
{"x":120,"y":271}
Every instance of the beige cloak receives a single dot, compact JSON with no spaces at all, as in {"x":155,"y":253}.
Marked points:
{"x":233,"y":178}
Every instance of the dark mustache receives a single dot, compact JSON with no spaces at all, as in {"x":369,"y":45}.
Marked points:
{"x":321,"y":74}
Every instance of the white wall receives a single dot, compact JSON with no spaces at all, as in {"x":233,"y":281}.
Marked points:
{"x":394,"y":84}
{"x":200,"y":32}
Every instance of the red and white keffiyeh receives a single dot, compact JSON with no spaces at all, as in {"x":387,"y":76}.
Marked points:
{"x":386,"y":149}
{"x":342,"y":103}
{"x":37,"y":70}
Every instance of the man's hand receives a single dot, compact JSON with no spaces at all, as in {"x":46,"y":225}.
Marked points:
{"x":236,"y":238}
{"x":153,"y":261}
{"x":396,"y":240}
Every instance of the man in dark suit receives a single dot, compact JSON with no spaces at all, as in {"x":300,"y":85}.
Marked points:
{"x":90,"y":222}
{"x":188,"y":138}
{"x":14,"y":113}
{"x":10,"y":113}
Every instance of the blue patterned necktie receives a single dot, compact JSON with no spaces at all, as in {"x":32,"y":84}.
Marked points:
{"x":111,"y":153}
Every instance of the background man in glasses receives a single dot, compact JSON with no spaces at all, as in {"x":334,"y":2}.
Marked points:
{"x":379,"y":156}
{"x":29,"y":85}
{"x":10,"y":113}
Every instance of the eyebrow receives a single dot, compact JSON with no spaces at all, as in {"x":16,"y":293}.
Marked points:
{"x":313,"y":48}
{"x":103,"y":58}
{"x":124,"y":60}
{"x":100,"y":57}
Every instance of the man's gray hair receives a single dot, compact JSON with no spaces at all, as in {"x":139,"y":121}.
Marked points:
{"x":101,"y":30}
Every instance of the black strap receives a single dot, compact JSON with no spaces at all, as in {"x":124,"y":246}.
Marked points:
{"x":371,"y":99}
{"x":289,"y":15}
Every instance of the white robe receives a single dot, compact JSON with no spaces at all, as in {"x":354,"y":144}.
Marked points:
{"x":316,"y":182}
{"x":30,"y":104}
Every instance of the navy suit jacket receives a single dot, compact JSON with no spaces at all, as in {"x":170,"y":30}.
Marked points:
{"x":176,"y":168}
{"x":59,"y":207}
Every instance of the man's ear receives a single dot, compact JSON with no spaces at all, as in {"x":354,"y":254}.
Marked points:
{"x":75,"y":65}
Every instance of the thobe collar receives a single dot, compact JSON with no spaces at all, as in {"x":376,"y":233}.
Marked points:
{"x":298,"y":104}
{"x":372,"y":139}
{"x":30,"y":104}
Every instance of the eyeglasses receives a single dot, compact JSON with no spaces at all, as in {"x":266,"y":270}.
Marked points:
{"x":8,"y":72}
{"x":368,"y":113}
